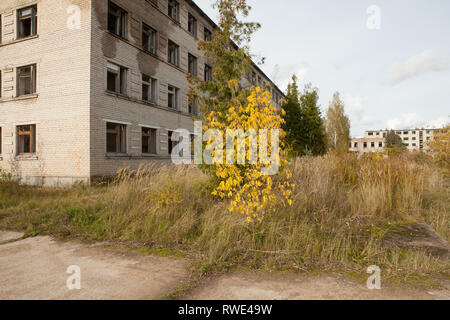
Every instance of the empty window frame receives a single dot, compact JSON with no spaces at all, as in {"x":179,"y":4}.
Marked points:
{"x":380,"y":144}
{"x":148,"y":89}
{"x":192,"y":64}
{"x":172,"y":97}
{"x":355,"y":145}
{"x":173,"y":53}
{"x":192,"y":25}
{"x":26,"y":80}
{"x":173,"y":10}
{"x":27,"y":22}
{"x":117,"y":20}
{"x":208,"y":73}
{"x":365,"y":144}
{"x":116,"y":78}
{"x":116,"y":138}
{"x":372,"y":145}
{"x":148,"y":141}
{"x":207,"y":34}
{"x":26,"y":139}
{"x":193,"y":106}
{"x":148,"y":38}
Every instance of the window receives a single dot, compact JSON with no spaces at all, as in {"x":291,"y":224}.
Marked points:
{"x":406,"y":138}
{"x":26,"y":80}
{"x":414,"y":145}
{"x":378,"y":133}
{"x":370,"y":133}
{"x":372,"y":144}
{"x":414,"y":138}
{"x":380,"y":144}
{"x":117,"y":20}
{"x":148,"y":141}
{"x":405,"y":132}
{"x":173,"y":53}
{"x":174,"y":10}
{"x":148,"y":89}
{"x":116,"y":138}
{"x":116,"y":81}
{"x":356,"y":145}
{"x":365,"y":144}
{"x":27,"y":22}
{"x":192,"y":25}
{"x":192,"y":64}
{"x":172,"y":97}
{"x":148,"y":39}
{"x":170,"y":143}
{"x":193,"y":106}
{"x":208,"y":73}
{"x":207,"y":34}
{"x":26,"y":139}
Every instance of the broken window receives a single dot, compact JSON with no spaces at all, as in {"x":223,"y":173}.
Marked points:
{"x":192,"y":25}
{"x":26,"y":139}
{"x":116,"y":78}
{"x":208,"y":73}
{"x":26,"y":80}
{"x":148,"y":89}
{"x":192,"y":64}
{"x":116,"y":135}
{"x":148,"y":39}
{"x":172,"y":97}
{"x":27,"y":22}
{"x":173,"y":53}
{"x":173,"y":10}
{"x":148,"y":141}
{"x":117,"y":20}
{"x":207,"y":34}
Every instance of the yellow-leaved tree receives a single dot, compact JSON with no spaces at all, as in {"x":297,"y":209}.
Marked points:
{"x":227,"y":105}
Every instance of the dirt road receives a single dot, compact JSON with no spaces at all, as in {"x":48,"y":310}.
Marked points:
{"x":35,"y":268}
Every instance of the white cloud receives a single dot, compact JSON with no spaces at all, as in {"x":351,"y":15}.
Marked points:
{"x":354,"y":106}
{"x":414,"y":120}
{"x":425,"y":62}
{"x":282,"y":75}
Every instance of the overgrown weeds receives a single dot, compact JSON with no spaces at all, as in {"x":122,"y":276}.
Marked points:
{"x":341,"y":206}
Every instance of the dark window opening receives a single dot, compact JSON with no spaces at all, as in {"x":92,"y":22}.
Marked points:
{"x":26,"y":80}
{"x":148,"y":141}
{"x":117,"y":20}
{"x":26,"y":139}
{"x":116,"y":138}
{"x":27,"y":22}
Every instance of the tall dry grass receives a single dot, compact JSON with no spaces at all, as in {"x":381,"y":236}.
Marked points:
{"x":342,"y":206}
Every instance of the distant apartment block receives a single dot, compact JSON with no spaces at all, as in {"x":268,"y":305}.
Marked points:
{"x":374,"y":141}
{"x":82,"y":101}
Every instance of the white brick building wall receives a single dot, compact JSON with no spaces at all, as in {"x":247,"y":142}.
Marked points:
{"x":72,"y":106}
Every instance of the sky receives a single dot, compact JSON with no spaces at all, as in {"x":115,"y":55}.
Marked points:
{"x":389,"y":60}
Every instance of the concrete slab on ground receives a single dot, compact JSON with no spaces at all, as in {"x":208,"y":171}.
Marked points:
{"x":262,"y":286}
{"x":35,"y":268}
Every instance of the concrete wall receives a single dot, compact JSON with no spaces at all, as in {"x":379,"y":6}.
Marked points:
{"x":60,"y":107}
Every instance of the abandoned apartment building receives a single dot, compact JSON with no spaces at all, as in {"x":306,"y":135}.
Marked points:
{"x":82,"y":101}
{"x":375,"y":141}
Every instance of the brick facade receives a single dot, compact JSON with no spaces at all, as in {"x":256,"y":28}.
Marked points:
{"x":72,"y":106}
